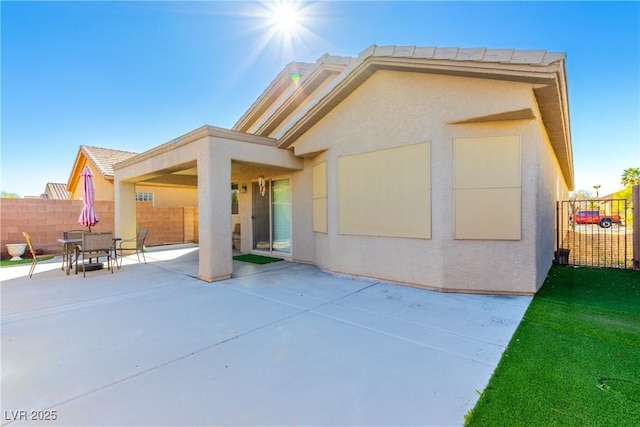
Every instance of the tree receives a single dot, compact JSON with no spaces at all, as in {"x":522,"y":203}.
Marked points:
{"x":578,"y":202}
{"x":581,"y":195}
{"x":7,"y":195}
{"x":630,"y":177}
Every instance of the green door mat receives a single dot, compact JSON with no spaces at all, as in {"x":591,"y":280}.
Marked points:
{"x":256,"y":259}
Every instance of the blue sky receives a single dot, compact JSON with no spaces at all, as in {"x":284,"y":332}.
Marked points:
{"x":134,"y":75}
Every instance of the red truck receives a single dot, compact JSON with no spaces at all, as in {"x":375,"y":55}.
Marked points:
{"x":595,"y":217}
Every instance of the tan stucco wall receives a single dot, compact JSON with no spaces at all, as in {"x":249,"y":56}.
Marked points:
{"x":551,"y":188}
{"x":170,"y":196}
{"x":397,"y":109}
{"x":103,"y":187}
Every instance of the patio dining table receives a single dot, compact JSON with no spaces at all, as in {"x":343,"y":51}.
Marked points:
{"x":69,"y":247}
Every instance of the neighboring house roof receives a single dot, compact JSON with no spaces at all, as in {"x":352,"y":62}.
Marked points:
{"x":278,"y":111}
{"x":56,"y":190}
{"x":105,"y":158}
{"x":610,"y":196}
{"x":102,"y":158}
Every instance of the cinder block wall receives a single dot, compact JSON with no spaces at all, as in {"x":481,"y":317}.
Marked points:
{"x":166,"y":224}
{"x":45,"y":220}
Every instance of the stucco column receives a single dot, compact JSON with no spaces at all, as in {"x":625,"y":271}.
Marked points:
{"x":214,"y":214}
{"x":125,"y":209}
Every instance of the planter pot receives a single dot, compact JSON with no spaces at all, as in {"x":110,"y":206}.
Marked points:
{"x":16,"y":250}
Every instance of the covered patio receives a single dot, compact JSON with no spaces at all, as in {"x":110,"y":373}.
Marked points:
{"x":277,"y":344}
{"x":208,"y":159}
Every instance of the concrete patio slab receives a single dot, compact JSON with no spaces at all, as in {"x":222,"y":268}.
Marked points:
{"x":278,"y":344}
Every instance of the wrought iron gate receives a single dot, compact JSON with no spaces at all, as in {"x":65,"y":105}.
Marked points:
{"x":595,"y":233}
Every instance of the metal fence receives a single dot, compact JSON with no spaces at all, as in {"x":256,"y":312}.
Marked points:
{"x":595,"y":233}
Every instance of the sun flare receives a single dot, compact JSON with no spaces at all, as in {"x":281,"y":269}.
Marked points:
{"x":285,"y":16}
{"x":285,"y":28}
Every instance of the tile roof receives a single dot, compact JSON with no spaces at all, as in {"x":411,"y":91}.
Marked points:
{"x":105,"y":158}
{"x":480,"y":54}
{"x":412,"y":54}
{"x":281,"y":90}
{"x":56,"y":190}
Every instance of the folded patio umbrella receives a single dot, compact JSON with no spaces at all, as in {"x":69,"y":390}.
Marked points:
{"x":88,"y":216}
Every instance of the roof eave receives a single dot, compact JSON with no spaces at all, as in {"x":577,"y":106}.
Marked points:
{"x":76,"y":169}
{"x":554,"y":108}
{"x":290,"y":103}
{"x":268,"y":96}
{"x":369,"y":65}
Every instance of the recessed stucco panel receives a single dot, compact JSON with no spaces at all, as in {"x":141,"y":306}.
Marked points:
{"x":487,"y":188}
{"x":320,"y":215}
{"x":320,"y":180}
{"x":488,"y":214}
{"x":319,"y":175}
{"x":489,"y":162}
{"x":385,"y":193}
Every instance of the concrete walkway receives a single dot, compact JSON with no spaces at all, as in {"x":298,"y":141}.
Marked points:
{"x":279,"y":344}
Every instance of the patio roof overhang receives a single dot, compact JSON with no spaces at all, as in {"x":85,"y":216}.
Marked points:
{"x":202,"y":157}
{"x":164,"y":166}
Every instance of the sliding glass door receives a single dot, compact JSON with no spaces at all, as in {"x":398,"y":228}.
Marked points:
{"x":272,"y":216}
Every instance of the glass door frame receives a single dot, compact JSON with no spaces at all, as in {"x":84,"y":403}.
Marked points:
{"x":269,"y":193}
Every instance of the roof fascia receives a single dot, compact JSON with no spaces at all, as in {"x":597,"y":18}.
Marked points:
{"x":78,"y":164}
{"x":269,"y":95}
{"x":358,"y":72}
{"x":298,"y":94}
{"x":554,"y":109}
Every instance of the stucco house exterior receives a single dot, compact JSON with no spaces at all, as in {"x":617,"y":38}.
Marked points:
{"x":432,"y":167}
{"x":101,"y":160}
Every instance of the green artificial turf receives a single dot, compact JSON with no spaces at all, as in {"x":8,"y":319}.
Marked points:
{"x":256,"y":259}
{"x":574,"y":359}
{"x":9,"y":263}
